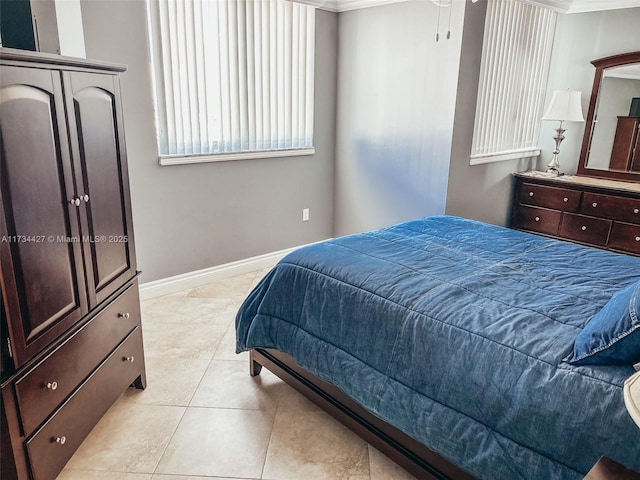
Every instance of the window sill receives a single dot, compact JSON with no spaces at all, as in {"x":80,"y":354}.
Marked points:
{"x":502,"y":156}
{"x":166,"y":160}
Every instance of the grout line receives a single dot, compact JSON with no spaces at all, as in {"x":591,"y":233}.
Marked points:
{"x":164,"y":450}
{"x":273,"y":423}
{"x":211,"y":358}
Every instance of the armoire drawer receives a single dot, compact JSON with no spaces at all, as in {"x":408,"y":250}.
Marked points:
{"x":54,"y":444}
{"x":45,"y":387}
{"x":625,"y":237}
{"x":609,"y":206}
{"x":550,"y":197}
{"x":537,"y":219}
{"x":581,"y":228}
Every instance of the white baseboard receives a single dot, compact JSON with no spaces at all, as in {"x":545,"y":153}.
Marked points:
{"x":166,"y":286}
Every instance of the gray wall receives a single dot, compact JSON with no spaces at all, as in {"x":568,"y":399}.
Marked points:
{"x":483,"y":192}
{"x":581,"y":38}
{"x":404,"y":115}
{"x":396,"y":99}
{"x":190,"y":217}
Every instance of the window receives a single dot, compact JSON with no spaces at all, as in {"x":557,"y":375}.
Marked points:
{"x":232,"y":78}
{"x":514,"y":67}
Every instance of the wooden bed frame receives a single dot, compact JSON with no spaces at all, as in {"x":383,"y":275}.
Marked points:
{"x":413,"y":456}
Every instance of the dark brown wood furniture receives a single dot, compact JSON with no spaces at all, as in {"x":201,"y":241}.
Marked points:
{"x":597,"y":212}
{"x":607,"y":469}
{"x":625,"y":154}
{"x":71,"y":334}
{"x":603,"y":68}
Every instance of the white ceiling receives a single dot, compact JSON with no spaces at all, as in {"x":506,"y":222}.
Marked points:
{"x":562,"y":6}
{"x":579,"y":6}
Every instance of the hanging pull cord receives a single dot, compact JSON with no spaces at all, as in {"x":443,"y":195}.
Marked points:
{"x":449,"y":26}
{"x":438,"y":24}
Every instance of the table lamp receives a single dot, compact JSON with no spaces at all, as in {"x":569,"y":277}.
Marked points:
{"x":565,"y":106}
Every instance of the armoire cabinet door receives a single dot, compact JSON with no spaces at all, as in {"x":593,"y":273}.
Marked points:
{"x":98,"y":149}
{"x":40,"y":254}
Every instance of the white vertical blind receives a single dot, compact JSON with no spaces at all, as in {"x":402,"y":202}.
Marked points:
{"x":513,"y":74}
{"x":232,"y":75}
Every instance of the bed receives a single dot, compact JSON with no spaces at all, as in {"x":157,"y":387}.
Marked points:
{"x":451,"y":345}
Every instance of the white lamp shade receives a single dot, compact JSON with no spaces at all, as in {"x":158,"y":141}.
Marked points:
{"x":632,"y":397}
{"x":565,"y":106}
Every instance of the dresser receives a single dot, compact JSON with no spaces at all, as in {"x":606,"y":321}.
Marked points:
{"x":598,"y":212}
{"x":70,"y":310}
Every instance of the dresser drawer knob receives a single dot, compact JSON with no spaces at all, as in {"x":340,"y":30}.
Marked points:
{"x":637,"y":239}
{"x":124,"y":315}
{"x":61,"y":440}
{"x":537,"y":219}
{"x":130,"y":359}
{"x":52,"y":385}
{"x":636,"y":210}
{"x":594,"y":204}
{"x":565,"y":199}
{"x":584,"y":227}
{"x":531,"y":194}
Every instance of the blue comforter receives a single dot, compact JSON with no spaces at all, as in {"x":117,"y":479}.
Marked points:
{"x":455,"y":332}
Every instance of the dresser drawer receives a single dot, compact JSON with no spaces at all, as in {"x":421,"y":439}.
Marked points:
{"x":54,"y":444}
{"x":535,"y":219}
{"x":625,"y":237}
{"x":550,"y":197}
{"x":51,"y":381}
{"x":618,"y":208}
{"x":594,"y":231}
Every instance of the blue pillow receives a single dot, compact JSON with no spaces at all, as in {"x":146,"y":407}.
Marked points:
{"x":612,"y":336}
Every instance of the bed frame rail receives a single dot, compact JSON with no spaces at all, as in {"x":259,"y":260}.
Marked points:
{"x":420,"y":461}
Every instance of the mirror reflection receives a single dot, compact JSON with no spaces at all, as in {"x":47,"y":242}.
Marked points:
{"x":615,"y":141}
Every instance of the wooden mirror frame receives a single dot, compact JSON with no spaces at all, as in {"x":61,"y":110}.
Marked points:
{"x":601,"y":64}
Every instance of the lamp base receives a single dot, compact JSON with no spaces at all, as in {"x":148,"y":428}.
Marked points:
{"x":554,"y":165}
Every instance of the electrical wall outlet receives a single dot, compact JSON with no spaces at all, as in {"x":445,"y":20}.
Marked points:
{"x":305,"y":214}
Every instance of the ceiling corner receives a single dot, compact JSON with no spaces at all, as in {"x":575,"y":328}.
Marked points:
{"x":580,"y":6}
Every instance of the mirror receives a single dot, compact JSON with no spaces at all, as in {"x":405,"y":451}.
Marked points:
{"x":611,"y":143}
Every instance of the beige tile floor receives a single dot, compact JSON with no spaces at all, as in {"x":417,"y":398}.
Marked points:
{"x":203,"y":417}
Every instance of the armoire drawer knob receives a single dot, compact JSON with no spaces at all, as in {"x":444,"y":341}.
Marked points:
{"x":584,"y":227}
{"x":124,"y":315}
{"x":52,"y":385}
{"x":594,"y":204}
{"x":130,"y":359}
{"x":61,"y":440}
